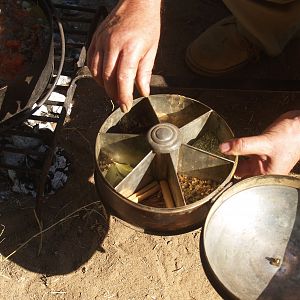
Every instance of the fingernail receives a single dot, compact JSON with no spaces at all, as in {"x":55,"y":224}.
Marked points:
{"x":129,"y":106}
{"x":225,"y":147}
{"x":146,"y":85}
{"x":146,"y":89}
{"x":124,"y":108}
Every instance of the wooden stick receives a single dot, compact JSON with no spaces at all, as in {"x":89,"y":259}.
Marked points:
{"x":146,"y":195}
{"x":166,"y":194}
{"x":143,"y":190}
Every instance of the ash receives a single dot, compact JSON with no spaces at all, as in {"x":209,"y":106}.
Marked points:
{"x":24,"y":182}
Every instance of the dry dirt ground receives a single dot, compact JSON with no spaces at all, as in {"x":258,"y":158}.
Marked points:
{"x":83,"y":253}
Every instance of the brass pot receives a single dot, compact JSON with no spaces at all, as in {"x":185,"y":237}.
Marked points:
{"x":159,"y":140}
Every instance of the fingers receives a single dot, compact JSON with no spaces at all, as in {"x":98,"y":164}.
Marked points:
{"x":90,"y":57}
{"x":144,"y":72}
{"x":97,"y":68}
{"x":117,"y":69}
{"x":126,"y":74}
{"x":259,"y":145}
{"x":117,"y":72}
{"x":251,"y":167}
{"x":110,"y":61}
{"x":94,"y":62}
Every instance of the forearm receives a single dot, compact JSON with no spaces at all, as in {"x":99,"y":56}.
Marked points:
{"x":142,"y":2}
{"x":153,"y":6}
{"x":137,"y":13}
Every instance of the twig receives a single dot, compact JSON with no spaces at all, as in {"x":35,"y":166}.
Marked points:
{"x":4,"y":276}
{"x":50,"y":227}
{"x":41,"y":229}
{"x":96,"y":212}
{"x":58,"y":292}
{"x":3,"y":228}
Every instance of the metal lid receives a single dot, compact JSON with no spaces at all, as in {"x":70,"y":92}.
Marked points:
{"x":251,"y":238}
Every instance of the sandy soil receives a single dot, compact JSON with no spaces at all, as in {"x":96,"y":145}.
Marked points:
{"x":86,"y":254}
{"x":90,"y":255}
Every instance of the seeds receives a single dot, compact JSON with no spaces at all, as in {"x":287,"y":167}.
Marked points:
{"x":195,"y":189}
{"x":208,"y":142}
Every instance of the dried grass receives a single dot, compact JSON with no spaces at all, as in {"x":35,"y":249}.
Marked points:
{"x":4,"y":276}
{"x":40,"y":233}
{"x":41,"y":229}
{"x":3,"y":228}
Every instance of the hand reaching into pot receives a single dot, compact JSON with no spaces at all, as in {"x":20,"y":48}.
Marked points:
{"x":123,"y":49}
{"x":275,"y":151}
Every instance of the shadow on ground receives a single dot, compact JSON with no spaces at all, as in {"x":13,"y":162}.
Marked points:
{"x":75,"y":222}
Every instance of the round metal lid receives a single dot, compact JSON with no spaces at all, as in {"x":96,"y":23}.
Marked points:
{"x":251,"y":238}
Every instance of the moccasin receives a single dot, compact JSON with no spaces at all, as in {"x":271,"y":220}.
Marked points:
{"x":220,"y":49}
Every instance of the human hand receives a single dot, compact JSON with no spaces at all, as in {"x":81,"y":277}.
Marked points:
{"x":123,"y":49}
{"x":275,"y":151}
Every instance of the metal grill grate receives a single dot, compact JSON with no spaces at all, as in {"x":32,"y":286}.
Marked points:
{"x":77,"y":23}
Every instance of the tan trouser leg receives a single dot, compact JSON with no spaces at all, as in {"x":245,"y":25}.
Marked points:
{"x":271,"y":23}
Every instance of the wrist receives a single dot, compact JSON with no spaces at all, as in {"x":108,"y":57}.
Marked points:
{"x":146,"y":10}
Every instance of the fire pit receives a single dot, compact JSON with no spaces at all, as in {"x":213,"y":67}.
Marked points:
{"x":43,"y":117}
{"x":28,"y":86}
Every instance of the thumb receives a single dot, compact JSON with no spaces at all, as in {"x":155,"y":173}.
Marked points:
{"x":258,"y":145}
